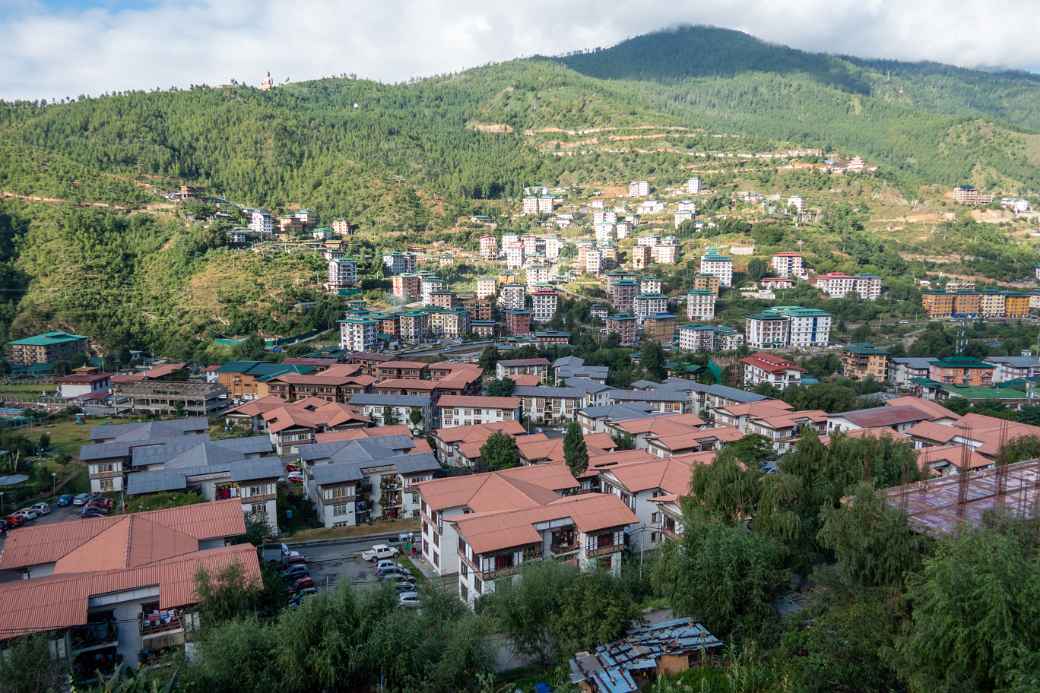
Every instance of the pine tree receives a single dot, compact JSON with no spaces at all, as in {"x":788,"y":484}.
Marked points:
{"x":575,"y":451}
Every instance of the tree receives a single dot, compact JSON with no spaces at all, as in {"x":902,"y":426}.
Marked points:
{"x":489,"y":359}
{"x":872,"y":541}
{"x":1019,"y":449}
{"x":651,"y":358}
{"x":575,"y":451}
{"x":502,"y":387}
{"x":598,"y":593}
{"x":727,"y":489}
{"x":389,"y":416}
{"x":976,"y":606}
{"x":27,"y":667}
{"x":499,"y":451}
{"x":757,"y":268}
{"x":225,"y":596}
{"x":415,"y":417}
{"x":525,"y":608}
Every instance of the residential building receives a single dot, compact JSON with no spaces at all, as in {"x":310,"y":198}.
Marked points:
{"x":968,"y":303}
{"x":291,"y":425}
{"x":460,"y":446}
{"x":788,"y":326}
{"x":85,"y":386}
{"x":937,"y":303}
{"x":532,"y":366}
{"x":543,"y":304}
{"x":839,"y":285}
{"x":969,"y":195}
{"x":342,"y":273}
{"x":707,"y":281}
{"x":638,"y":188}
{"x":512,"y":297}
{"x":961,"y":370}
{"x":552,"y":337}
{"x":549,"y":406}
{"x":718,"y":266}
{"x":772,"y":369}
{"x":788,"y":265}
{"x":900,"y":418}
{"x":1007,"y":368}
{"x":170,"y":398}
{"x":1016,"y":305}
{"x":593,"y":261}
{"x":407,"y":287}
{"x":328,"y":386}
{"x":414,"y":326}
{"x":463,"y":410}
{"x":385,"y":409}
{"x":649,"y":285}
{"x":514,"y":255}
{"x":903,"y":371}
{"x":784,"y":429}
{"x":767,"y":330}
{"x":641,"y":257}
{"x":622,"y":294}
{"x":261,"y":222}
{"x":109,"y":453}
{"x":665,"y":254}
{"x":637,"y":484}
{"x":700,"y":304}
{"x":47,"y":349}
{"x":862,"y":361}
{"x":568,"y":367}
{"x":660,"y":328}
{"x":488,"y":247}
{"x":647,"y":305}
{"x":483,"y":328}
{"x":486,"y":287}
{"x":431,"y":285}
{"x":624,"y":326}
{"x":400,"y":263}
{"x":357,"y":334}
{"x":120,"y":590}
{"x":708,"y":338}
{"x":518,"y":322}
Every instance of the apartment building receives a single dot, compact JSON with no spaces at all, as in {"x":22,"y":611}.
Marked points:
{"x":708,"y":338}
{"x":400,"y":263}
{"x":262,"y":223}
{"x":414,"y":327}
{"x":342,"y":273}
{"x":787,"y":265}
{"x":700,"y":304}
{"x":862,"y":361}
{"x":624,"y":326}
{"x":358,"y":334}
{"x":543,"y":304}
{"x":788,"y":326}
{"x":638,"y":188}
{"x":706,"y":281}
{"x":719,"y":266}
{"x":47,"y":349}
{"x":488,"y":247}
{"x":532,"y":366}
{"x":169,"y":398}
{"x":387,"y":409}
{"x":784,"y":429}
{"x":1008,"y":368}
{"x":518,"y":322}
{"x":406,"y":287}
{"x":649,"y":305}
{"x":549,"y":406}
{"x":459,"y":446}
{"x":293,"y":424}
{"x":512,"y":297}
{"x":468,"y":410}
{"x":767,"y":330}
{"x":961,"y":370}
{"x":665,"y":254}
{"x":622,"y":294}
{"x":593,"y":261}
{"x":486,"y":287}
{"x":839,"y":285}
{"x":903,"y":371}
{"x":660,"y":328}
{"x":328,"y":385}
{"x":641,"y":257}
{"x":514,"y":253}
{"x":115,"y":595}
{"x":770,"y":369}
{"x":638,"y":485}
{"x":969,"y":195}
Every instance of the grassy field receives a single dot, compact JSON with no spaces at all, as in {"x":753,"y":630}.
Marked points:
{"x":24,"y":391}
{"x":66,"y":435}
{"x":360,"y":530}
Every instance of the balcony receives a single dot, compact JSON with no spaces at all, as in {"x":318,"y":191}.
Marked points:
{"x":602,"y":549}
{"x":93,"y":635}
{"x":159,"y":622}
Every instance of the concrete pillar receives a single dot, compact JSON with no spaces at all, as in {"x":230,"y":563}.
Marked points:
{"x":129,"y":628}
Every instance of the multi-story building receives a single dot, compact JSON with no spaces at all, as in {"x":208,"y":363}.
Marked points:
{"x":1016,"y":304}
{"x":809,"y":327}
{"x":47,"y":349}
{"x":707,"y":281}
{"x":708,"y":338}
{"x":549,"y":406}
{"x":840,"y":285}
{"x":693,"y":185}
{"x":399,"y":263}
{"x":787,"y":265}
{"x":467,"y":410}
{"x":641,"y":257}
{"x":638,"y":188}
{"x":483,"y":328}
{"x":937,"y":303}
{"x":357,"y":334}
{"x":660,"y":328}
{"x":700,"y":304}
{"x":342,"y":272}
{"x":862,"y":361}
{"x":342,"y":228}
{"x":488,"y":248}
{"x":529,"y":205}
{"x":553,"y":246}
{"x":1014,"y":367}
{"x":514,"y":255}
{"x":387,"y":409}
{"x":518,"y":321}
{"x":767,"y":330}
{"x":165,"y":398}
{"x":665,"y":253}
{"x":969,"y":195}
{"x":622,"y":294}
{"x":968,"y":303}
{"x":593,"y":261}
{"x":646,"y":305}
{"x":477,"y":309}
{"x":772,"y":369}
{"x":414,"y":326}
{"x":604,"y":233}
{"x":442,"y":299}
{"x":719,"y":266}
{"x":649,"y":285}
{"x":512,"y":296}
{"x":407,"y":287}
{"x":682,"y":216}
{"x":261,"y":222}
{"x":543,"y":304}
{"x":961,"y":370}
{"x":624,"y":326}
{"x":538,"y":366}
{"x":430,"y":285}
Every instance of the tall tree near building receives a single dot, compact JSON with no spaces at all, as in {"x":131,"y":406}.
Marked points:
{"x":489,"y":359}
{"x":651,"y":358}
{"x":575,"y":451}
{"x":499,"y":451}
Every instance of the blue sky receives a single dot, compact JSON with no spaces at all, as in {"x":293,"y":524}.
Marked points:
{"x":58,"y":48}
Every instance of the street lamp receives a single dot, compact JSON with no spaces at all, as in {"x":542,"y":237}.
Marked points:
{"x":54,"y":483}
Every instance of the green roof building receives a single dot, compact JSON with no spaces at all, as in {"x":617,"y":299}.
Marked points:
{"x":47,"y":348}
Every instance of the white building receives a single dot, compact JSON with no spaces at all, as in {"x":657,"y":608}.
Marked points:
{"x":357,"y":334}
{"x":665,"y":254}
{"x":512,"y":297}
{"x":649,"y":285}
{"x":711,"y":339}
{"x":621,"y":230}
{"x":693,"y":186}
{"x":529,"y":205}
{"x":262,"y":223}
{"x":638,"y":188}
{"x":430,"y":286}
{"x":543,"y":304}
{"x":488,"y":247}
{"x":772,"y":369}
{"x":553,"y":246}
{"x":700,"y":304}
{"x":718,"y":266}
{"x":787,"y":265}
{"x":840,"y":285}
{"x":648,"y":305}
{"x":486,"y":286}
{"x":593,"y":261}
{"x":342,"y":272}
{"x":797,"y":203}
{"x":514,"y":255}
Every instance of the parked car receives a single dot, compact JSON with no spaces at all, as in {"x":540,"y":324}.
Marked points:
{"x":88,"y":513}
{"x":296,"y":559}
{"x":81,"y":499}
{"x":303,"y":583}
{"x":408,"y":599}
{"x":14,"y":520}
{"x":296,"y":599}
{"x":405,"y":587}
{"x":392,"y":570}
{"x":42,"y":509}
{"x":379,"y":551}
{"x":295,"y":572}
{"x":101,"y":502}
{"x":29,"y":514}
{"x":64,"y":500}
{"x":292,"y":467}
{"x":295,"y":477}
{"x":394,"y":575}
{"x":385,"y":563}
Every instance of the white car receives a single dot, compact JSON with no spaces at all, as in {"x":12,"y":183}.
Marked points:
{"x":379,"y":551}
{"x":42,"y":509}
{"x":408,"y":599}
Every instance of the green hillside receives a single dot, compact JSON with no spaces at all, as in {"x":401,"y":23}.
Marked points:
{"x":408,"y":160}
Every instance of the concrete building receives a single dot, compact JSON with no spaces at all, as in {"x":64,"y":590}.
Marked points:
{"x":357,"y":334}
{"x":862,"y":361}
{"x":622,"y":294}
{"x":708,"y":338}
{"x":518,"y":322}
{"x":718,"y":266}
{"x":543,"y":304}
{"x":638,"y":188}
{"x":488,"y":248}
{"x":407,"y":287}
{"x":47,"y":349}
{"x":342,"y":273}
{"x":624,"y":326}
{"x":771,"y":369}
{"x":707,"y":281}
{"x":700,"y":304}
{"x":693,"y":185}
{"x":787,"y":265}
{"x":486,"y":287}
{"x":512,"y":297}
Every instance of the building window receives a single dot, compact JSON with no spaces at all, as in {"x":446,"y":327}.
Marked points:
{"x":339,"y":509}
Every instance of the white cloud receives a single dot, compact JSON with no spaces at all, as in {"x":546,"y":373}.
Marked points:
{"x":50,"y":54}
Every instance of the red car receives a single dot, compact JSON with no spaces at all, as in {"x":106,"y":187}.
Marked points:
{"x":302,"y":583}
{"x":15,"y":520}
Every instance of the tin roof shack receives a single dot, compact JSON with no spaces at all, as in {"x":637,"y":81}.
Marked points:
{"x":669,"y":647}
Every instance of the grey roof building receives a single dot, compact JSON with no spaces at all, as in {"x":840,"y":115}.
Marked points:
{"x":149,"y":429}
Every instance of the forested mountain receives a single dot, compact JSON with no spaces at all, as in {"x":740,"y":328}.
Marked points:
{"x":416,"y":156}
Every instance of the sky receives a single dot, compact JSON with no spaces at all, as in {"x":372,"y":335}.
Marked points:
{"x":57,"y":48}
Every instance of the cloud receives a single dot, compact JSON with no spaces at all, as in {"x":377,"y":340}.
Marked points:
{"x":57,"y":50}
